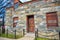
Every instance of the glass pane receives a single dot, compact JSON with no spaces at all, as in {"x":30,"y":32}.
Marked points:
{"x":25,"y":1}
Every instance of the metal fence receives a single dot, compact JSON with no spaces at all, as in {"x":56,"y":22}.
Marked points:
{"x":14,"y":34}
{"x":37,"y":37}
{"x":22,"y":33}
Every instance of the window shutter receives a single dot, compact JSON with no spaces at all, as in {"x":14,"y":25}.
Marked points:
{"x":51,"y":19}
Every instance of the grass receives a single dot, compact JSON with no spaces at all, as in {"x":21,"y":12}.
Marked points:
{"x":43,"y":39}
{"x":11,"y":36}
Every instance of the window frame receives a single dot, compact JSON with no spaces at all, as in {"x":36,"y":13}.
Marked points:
{"x":48,"y":24}
{"x":15,"y":19}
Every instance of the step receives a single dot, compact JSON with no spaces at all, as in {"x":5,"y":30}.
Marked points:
{"x":30,"y":35}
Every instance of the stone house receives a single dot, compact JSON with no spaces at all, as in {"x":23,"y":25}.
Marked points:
{"x":44,"y":16}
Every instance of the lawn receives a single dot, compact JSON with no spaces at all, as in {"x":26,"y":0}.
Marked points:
{"x":43,"y":39}
{"x":10,"y":36}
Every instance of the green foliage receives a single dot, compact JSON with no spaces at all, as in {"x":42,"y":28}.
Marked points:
{"x":10,"y":36}
{"x":43,"y":39}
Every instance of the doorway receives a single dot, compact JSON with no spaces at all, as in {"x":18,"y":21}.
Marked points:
{"x":30,"y":23}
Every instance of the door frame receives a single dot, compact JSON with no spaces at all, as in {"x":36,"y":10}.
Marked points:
{"x":27,"y":28}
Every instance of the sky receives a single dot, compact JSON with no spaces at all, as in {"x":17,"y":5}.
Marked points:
{"x":3,"y":5}
{"x":8,"y":3}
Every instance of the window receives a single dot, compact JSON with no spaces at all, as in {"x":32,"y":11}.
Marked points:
{"x":15,"y":21}
{"x":25,"y":1}
{"x":51,"y":19}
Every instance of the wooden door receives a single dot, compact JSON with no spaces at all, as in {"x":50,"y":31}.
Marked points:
{"x":52,"y":20}
{"x":30,"y":23}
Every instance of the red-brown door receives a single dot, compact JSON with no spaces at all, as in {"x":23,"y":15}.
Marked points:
{"x":52,"y":20}
{"x":30,"y":23}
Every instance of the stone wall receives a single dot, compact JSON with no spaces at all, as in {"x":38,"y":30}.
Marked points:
{"x":38,"y":9}
{"x":8,"y":18}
